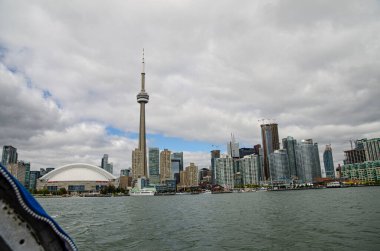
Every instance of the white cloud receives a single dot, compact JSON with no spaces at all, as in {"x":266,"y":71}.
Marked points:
{"x":212,"y":68}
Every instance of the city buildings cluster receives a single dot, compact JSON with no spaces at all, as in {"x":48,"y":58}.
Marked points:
{"x":20,"y":169}
{"x":362,"y":162}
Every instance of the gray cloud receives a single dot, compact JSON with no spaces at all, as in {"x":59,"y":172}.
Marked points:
{"x":212,"y":68}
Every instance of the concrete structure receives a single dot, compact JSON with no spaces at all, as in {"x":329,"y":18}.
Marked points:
{"x":137,"y":166}
{"x":154,"y":165}
{"x":308,"y":163}
{"x":328,"y":162}
{"x":76,"y":177}
{"x":355,"y":155}
{"x":126,"y":172}
{"x":165,"y":165}
{"x":142,"y":99}
{"x":189,"y":177}
{"x":21,"y":171}
{"x":289,"y":144}
{"x":269,"y":134}
{"x":9,"y":155}
{"x":279,"y":166}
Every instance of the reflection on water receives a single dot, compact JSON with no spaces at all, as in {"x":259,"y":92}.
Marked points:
{"x":326,"y":219}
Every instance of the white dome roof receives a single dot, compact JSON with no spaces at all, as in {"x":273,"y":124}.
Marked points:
{"x":78,"y":172}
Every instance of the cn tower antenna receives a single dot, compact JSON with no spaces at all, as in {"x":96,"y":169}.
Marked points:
{"x":143,"y":62}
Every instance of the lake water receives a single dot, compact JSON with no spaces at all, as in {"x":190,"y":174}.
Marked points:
{"x":324,"y":219}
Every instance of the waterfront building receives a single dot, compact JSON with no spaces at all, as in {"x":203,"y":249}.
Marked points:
{"x":279,"y":166}
{"x":154,"y":165}
{"x":76,"y":177}
{"x":34,"y":175}
{"x":269,"y":134}
{"x":371,"y":149}
{"x":165,"y":165}
{"x":289,"y":144}
{"x":365,"y":172}
{"x":328,"y":162}
{"x":192,"y":174}
{"x":9,"y":155}
{"x":256,"y":149}
{"x":233,"y":148}
{"x":356,"y":155}
{"x":139,"y":168}
{"x":246,"y":151}
{"x":176,"y":165}
{"x":308,"y":163}
{"x":249,"y":168}
{"x":21,"y":171}
{"x":205,"y":175}
{"x":215,"y":154}
{"x":224,"y":172}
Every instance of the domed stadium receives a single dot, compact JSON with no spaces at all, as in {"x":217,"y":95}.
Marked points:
{"x":76,"y":177}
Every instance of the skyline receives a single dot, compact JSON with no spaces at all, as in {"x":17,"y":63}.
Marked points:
{"x":70,"y":72}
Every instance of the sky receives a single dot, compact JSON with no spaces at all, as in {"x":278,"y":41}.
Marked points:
{"x":70,"y":73}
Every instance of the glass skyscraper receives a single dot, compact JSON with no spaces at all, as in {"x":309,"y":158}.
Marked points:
{"x":9,"y":155}
{"x":269,"y":134}
{"x":289,"y":144}
{"x":328,"y":162}
{"x":308,"y":163}
{"x":154,"y":165}
{"x":279,"y":165}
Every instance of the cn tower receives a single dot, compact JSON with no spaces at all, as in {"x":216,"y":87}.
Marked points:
{"x":142,"y":99}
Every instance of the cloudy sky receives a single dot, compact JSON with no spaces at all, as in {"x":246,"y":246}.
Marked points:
{"x":70,"y":72}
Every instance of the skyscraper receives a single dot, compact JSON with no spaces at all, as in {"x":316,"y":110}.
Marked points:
{"x":9,"y":155}
{"x":105,"y":165}
{"x":289,"y":144}
{"x":154,"y":165}
{"x":215,"y":154}
{"x":279,"y":165}
{"x":233,"y":148}
{"x":224,"y":171}
{"x":139,"y":168}
{"x":176,"y":165}
{"x":328,"y":162}
{"x":269,"y":134}
{"x":308,"y":163}
{"x":165,"y":165}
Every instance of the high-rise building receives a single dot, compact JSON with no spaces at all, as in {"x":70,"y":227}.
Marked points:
{"x":34,"y":175}
{"x":233,"y":148}
{"x":105,"y":165}
{"x":355,"y":155}
{"x":205,"y":175}
{"x":224,"y":171}
{"x":192,"y":175}
{"x":139,"y":168}
{"x":246,"y":151}
{"x":308,"y":163}
{"x":250,"y":166}
{"x":328,"y":162}
{"x":9,"y":155}
{"x":279,"y":165}
{"x":269,"y":134}
{"x":176,"y":165}
{"x":371,"y":149}
{"x":21,"y":171}
{"x":154,"y":165}
{"x":215,"y":154}
{"x":165,"y":165}
{"x":289,"y":144}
